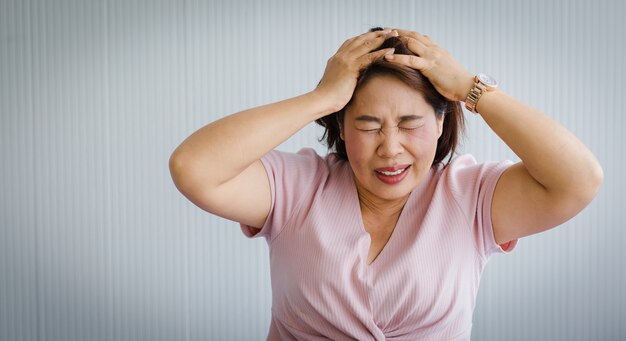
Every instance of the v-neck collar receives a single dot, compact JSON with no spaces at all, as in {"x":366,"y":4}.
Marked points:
{"x":356,"y":209}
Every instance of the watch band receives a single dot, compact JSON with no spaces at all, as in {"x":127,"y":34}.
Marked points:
{"x":482,"y":84}
{"x":474,"y":95}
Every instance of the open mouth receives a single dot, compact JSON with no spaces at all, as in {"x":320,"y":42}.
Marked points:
{"x":393,"y":177}
{"x":398,"y":172}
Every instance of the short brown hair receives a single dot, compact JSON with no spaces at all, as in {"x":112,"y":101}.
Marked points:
{"x":453,"y":123}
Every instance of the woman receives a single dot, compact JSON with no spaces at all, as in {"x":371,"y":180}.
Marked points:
{"x":383,"y":238}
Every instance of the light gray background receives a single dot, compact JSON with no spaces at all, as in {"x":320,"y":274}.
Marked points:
{"x":96,"y":243}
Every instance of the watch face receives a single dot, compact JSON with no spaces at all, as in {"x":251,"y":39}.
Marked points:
{"x":487,"y":80}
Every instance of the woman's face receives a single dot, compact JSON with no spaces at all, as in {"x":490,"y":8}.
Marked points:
{"x":407,"y":141}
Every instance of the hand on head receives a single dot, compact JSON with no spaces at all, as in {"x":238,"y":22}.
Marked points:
{"x":446,"y":74}
{"x":343,"y":68}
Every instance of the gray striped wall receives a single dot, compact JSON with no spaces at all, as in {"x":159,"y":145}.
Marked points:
{"x":96,"y":243}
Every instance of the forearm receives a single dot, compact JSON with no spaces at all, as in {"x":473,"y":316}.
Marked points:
{"x":553,"y":156}
{"x":226,"y":147}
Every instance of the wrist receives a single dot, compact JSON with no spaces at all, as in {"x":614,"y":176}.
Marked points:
{"x":486,"y":100}
{"x":482,"y":84}
{"x":468,"y":84}
{"x":324,"y":103}
{"x":328,"y":103}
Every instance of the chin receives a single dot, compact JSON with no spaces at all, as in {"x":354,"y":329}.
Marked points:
{"x":394,"y":194}
{"x":398,"y":190}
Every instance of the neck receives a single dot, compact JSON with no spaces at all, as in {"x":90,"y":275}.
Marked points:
{"x":379,"y":207}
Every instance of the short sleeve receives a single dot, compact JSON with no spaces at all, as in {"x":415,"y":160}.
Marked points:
{"x":492,"y":173}
{"x":292,"y":177}
{"x":473,"y":185}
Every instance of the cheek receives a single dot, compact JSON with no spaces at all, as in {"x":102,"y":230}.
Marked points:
{"x":423,"y":137}
{"x":354,"y":146}
{"x":359,"y":150}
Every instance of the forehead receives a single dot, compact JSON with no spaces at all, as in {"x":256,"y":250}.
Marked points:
{"x":386,"y":95}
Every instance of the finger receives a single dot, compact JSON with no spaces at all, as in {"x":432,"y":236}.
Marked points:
{"x":410,"y":61}
{"x":347,"y":43}
{"x":350,"y":42}
{"x":369,"y":45}
{"x":369,"y":58}
{"x":415,"y":45}
{"x":415,"y":35}
{"x":360,"y":39}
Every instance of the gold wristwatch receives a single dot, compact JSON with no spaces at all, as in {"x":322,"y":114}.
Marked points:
{"x":482,"y":83}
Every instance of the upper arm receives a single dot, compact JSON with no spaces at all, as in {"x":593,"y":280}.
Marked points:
{"x":521,"y":206}
{"x":245,"y":198}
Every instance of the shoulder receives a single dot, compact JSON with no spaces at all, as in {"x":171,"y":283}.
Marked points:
{"x":459,"y":163}
{"x":302,"y":155}
{"x":465,"y":167}
{"x":465,"y":174}
{"x":306,"y":163}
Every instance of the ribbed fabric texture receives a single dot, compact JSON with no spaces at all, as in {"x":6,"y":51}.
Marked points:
{"x":422,"y":285}
{"x":96,"y":242}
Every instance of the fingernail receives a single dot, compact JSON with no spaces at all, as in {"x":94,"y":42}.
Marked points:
{"x":389,"y":56}
{"x":386,"y":31}
{"x":390,"y":51}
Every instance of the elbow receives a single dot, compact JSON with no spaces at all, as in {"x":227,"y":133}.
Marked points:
{"x":175,"y":164}
{"x":177,"y":167}
{"x":581,"y":191}
{"x":182,"y":176}
{"x":595,"y":181}
{"x":592,"y":183}
{"x":599,"y":174}
{"x":188,"y":176}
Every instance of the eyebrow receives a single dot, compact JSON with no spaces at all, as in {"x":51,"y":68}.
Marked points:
{"x":369,"y":118}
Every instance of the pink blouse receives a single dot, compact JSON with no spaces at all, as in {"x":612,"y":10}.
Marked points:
{"x":422,"y":285}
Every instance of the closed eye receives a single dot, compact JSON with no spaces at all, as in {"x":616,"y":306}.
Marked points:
{"x":370,"y":130}
{"x":380,"y":130}
{"x":409,"y":127}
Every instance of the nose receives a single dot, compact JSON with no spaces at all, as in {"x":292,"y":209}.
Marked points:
{"x":390,"y":144}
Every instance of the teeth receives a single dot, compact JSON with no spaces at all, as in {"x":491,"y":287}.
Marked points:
{"x":393,"y":173}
